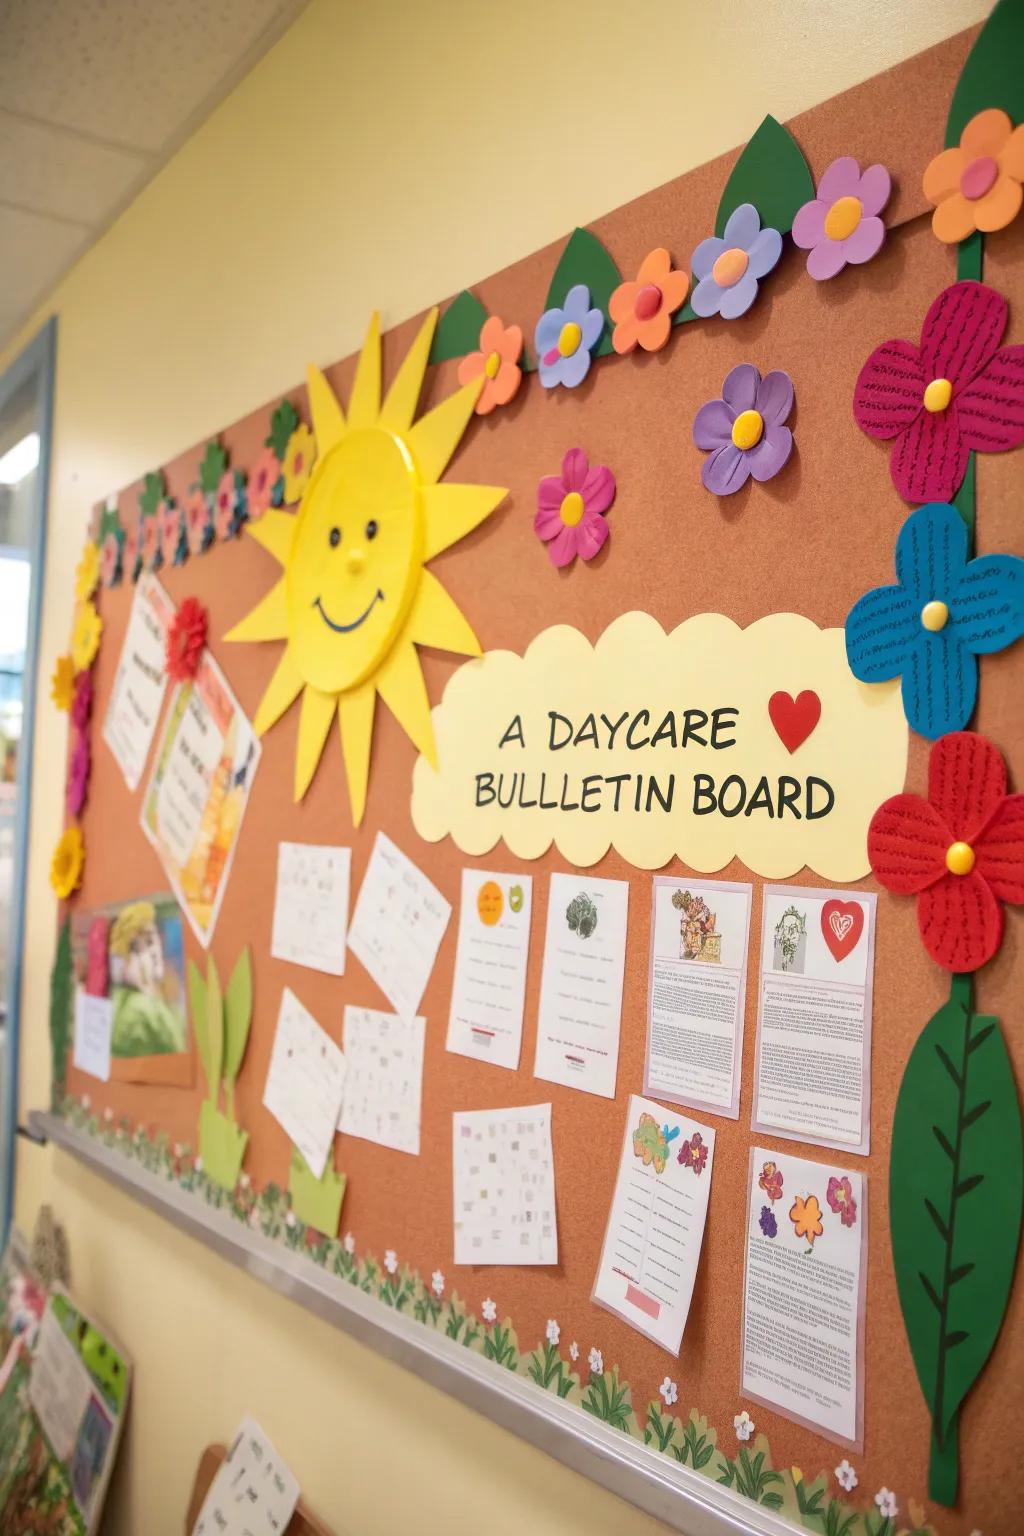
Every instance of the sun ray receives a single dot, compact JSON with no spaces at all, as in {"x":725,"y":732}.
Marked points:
{"x":276,"y":532}
{"x":282,"y":690}
{"x":452,"y":511}
{"x":436,"y":619}
{"x":267,"y":621}
{"x":364,"y":401}
{"x":399,"y":406}
{"x":355,"y":724}
{"x":436,"y":435}
{"x":328,"y":416}
{"x":314,"y":723}
{"x":401,"y":686}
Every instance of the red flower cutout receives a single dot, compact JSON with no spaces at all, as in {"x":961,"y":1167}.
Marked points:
{"x":693,"y":1153}
{"x":958,"y":390}
{"x":840,"y":1197}
{"x":186,"y":638}
{"x":961,"y":851}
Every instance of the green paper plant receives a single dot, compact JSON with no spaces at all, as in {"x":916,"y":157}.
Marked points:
{"x":211,"y":468}
{"x":61,"y":991}
{"x":221,"y":1022}
{"x":154,"y":489}
{"x":282,"y":424}
{"x":316,"y":1201}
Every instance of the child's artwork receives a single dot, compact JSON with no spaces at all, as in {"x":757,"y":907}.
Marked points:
{"x":94,"y":1023}
{"x":141,"y":681}
{"x":486,"y":1018}
{"x":581,"y":985}
{"x":503,"y":1186}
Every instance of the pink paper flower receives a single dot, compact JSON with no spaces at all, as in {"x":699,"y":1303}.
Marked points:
{"x":198,"y":521}
{"x":97,"y":976}
{"x":170,"y":531}
{"x":841,"y":224}
{"x":265,"y":475}
{"x":81,"y":699}
{"x":150,"y":543}
{"x":225,"y":503}
{"x":130,"y":552}
{"x":571,"y":507}
{"x":110,"y":560}
{"x":79,"y":766}
{"x":840,"y":1198}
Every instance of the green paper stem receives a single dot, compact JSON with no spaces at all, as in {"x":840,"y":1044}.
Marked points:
{"x":61,"y":996}
{"x":969,"y":256}
{"x":944,"y":1464}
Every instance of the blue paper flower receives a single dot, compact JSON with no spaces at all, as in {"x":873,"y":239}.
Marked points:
{"x":944,"y":611}
{"x":565,"y":338}
{"x":729,"y":269}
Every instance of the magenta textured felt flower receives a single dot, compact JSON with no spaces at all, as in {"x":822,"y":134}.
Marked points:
{"x":571,"y":508}
{"x":79,"y":765}
{"x":744,"y":433}
{"x":225,"y":502}
{"x":81,"y":700}
{"x":841,"y":224}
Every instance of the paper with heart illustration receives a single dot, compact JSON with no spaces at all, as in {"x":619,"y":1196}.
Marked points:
{"x":812,"y":1074}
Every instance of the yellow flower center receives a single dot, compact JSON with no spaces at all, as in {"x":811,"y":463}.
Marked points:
{"x":843,"y":217}
{"x":571,"y":510}
{"x":959,"y":858}
{"x":938,"y":395}
{"x":730,"y":267}
{"x":748,"y":429}
{"x":492,"y":365}
{"x":934,"y":616}
{"x":569,"y":338}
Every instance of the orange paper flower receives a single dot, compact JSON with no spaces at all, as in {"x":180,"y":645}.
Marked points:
{"x":806,"y":1218}
{"x":977,"y":185}
{"x":643,"y":310}
{"x":501,"y":347}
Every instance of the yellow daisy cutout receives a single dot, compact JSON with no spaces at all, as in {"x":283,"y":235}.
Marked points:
{"x":355,"y":600}
{"x":85,"y":637}
{"x":87,"y":574}
{"x":62,"y":682}
{"x":66,"y":864}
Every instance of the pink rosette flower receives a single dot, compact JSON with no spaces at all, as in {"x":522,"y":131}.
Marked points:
{"x":110,"y":560}
{"x":571,"y":508}
{"x":81,"y":699}
{"x":150,"y":543}
{"x":198,"y":521}
{"x":841,"y":224}
{"x":97,"y":974}
{"x":171,"y":523}
{"x":265,"y":474}
{"x":225,"y":502}
{"x":79,"y":766}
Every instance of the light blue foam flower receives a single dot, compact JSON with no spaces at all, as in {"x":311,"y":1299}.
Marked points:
{"x":565,"y":338}
{"x":729,"y":269}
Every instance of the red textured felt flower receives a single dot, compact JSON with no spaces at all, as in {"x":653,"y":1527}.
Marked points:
{"x":186,"y":637}
{"x":961,"y":851}
{"x":958,"y":390}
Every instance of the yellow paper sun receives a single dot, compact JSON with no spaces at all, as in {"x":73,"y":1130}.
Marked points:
{"x":355,"y":600}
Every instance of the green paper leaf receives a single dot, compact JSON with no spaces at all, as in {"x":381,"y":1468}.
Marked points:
{"x":154,"y":488}
{"x":458,"y":330}
{"x":110,"y":522}
{"x":993,"y":75}
{"x":197,"y":1008}
{"x":61,"y":989}
{"x":282,"y":424}
{"x":955,"y":1221}
{"x":237,"y":1016}
{"x":214,"y":1026}
{"x":315,"y":1201}
{"x":585,"y":260}
{"x":772,"y":174}
{"x":214,"y":463}
{"x":222,"y":1146}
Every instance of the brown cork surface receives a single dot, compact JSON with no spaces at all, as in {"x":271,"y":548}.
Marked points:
{"x":811,"y":541}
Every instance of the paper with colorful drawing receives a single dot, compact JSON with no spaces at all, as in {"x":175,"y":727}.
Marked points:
{"x":503,"y":1185}
{"x":581,"y":983}
{"x":486,"y":1018}
{"x":140,"y":681}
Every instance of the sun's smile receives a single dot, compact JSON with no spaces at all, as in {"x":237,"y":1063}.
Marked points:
{"x":345,"y":629}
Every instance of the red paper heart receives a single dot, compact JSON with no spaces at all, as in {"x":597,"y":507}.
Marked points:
{"x":794,"y":719}
{"x":842,"y":923}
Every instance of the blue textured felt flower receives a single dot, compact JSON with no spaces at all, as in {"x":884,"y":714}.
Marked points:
{"x":565,"y":338}
{"x":944,"y":612}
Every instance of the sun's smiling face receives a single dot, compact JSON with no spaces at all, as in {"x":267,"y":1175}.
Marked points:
{"x":356,"y":560}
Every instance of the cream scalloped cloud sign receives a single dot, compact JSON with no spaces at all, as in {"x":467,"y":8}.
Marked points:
{"x":705,"y":744}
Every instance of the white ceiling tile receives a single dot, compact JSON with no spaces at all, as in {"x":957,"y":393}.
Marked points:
{"x":34,"y":252}
{"x":54,"y":172}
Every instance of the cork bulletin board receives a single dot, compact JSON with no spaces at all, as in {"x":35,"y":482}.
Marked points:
{"x":810,"y":542}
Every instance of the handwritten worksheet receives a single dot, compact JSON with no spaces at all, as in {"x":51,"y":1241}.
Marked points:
{"x":504,"y":1186}
{"x":581,"y":986}
{"x":656,"y":1224}
{"x":140,"y":680}
{"x":94,"y":1027}
{"x":486,"y":1019}
{"x":305,"y":1082}
{"x":254,"y":1492}
{"x":311,"y":906}
{"x":384,"y":1086}
{"x":398,"y":925}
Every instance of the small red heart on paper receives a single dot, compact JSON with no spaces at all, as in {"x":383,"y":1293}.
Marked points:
{"x":794,"y":719}
{"x":842,"y":923}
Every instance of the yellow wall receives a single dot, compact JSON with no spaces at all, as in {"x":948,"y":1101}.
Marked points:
{"x":383,"y":154}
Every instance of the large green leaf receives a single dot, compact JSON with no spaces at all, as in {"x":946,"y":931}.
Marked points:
{"x":154,"y":488}
{"x":214,"y":1025}
{"x":458,"y":330}
{"x":956,"y":1184}
{"x":197,"y":1008}
{"x":61,"y":989}
{"x":237,"y":1016}
{"x":772,"y":174}
{"x":585,"y":260}
{"x":993,"y":75}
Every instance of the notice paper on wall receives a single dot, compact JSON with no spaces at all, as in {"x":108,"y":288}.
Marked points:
{"x":656,"y":1223}
{"x":696,"y":991}
{"x":140,"y":680}
{"x":803,"y":1293}
{"x":486,"y":1019}
{"x":94,"y":1027}
{"x":384,"y":1081}
{"x":311,"y":906}
{"x":812,"y":1078}
{"x":581,"y":985}
{"x":305,"y":1082}
{"x":398,"y":925}
{"x":254,"y":1493}
{"x":503,"y":1186}
{"x":59,"y":1386}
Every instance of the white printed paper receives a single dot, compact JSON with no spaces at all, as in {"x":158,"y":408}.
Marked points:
{"x":94,"y":1026}
{"x":812,"y":1079}
{"x":486,"y":1019}
{"x":305,"y":1082}
{"x":656,"y":1224}
{"x":802,"y":1295}
{"x":59,"y":1386}
{"x":503,"y":1186}
{"x":696,"y":992}
{"x":581,"y":987}
{"x":398,"y":925}
{"x":254,"y":1492}
{"x":140,"y":680}
{"x":384,"y":1084}
{"x":311,"y":906}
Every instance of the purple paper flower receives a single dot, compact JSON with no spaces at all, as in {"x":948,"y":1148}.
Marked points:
{"x":769,"y":1226}
{"x":78,"y":774}
{"x":81,"y":701}
{"x":744,"y":432}
{"x":564,"y":339}
{"x":841,"y":224}
{"x":729,"y":269}
{"x":571,"y":507}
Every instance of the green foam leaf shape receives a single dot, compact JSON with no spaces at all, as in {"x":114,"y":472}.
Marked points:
{"x":154,"y":488}
{"x":458,"y":330}
{"x":282,"y":424}
{"x":315,"y":1201}
{"x":61,"y":988}
{"x":585,"y":260}
{"x":212,"y":466}
{"x":956,"y":1187}
{"x":772,"y":174}
{"x":237,"y":1016}
{"x":993,"y":75}
{"x":110,"y":522}
{"x":222,"y":1146}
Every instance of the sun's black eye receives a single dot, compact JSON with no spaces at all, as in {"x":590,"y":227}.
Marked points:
{"x":371,"y":529}
{"x":335,"y":537}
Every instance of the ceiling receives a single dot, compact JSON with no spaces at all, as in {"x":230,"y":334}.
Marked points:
{"x":95,"y":95}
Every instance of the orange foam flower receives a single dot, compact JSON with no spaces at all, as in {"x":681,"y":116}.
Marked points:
{"x":643,"y":310}
{"x":977,"y":184}
{"x":501,"y":347}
